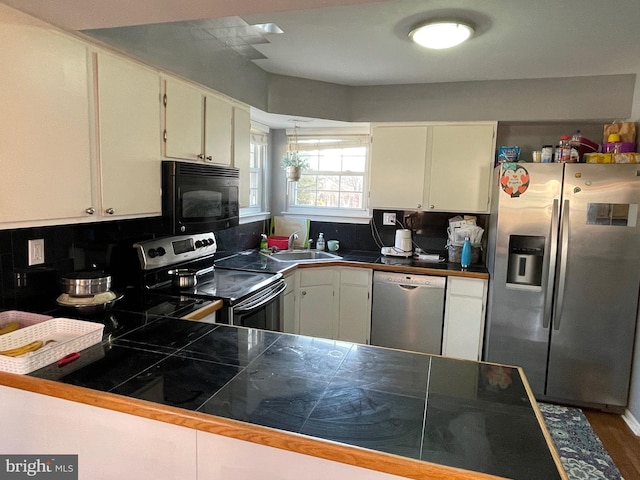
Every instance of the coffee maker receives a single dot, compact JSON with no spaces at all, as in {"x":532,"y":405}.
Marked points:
{"x":403,"y":246}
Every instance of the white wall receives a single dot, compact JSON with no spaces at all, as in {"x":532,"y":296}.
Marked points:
{"x":595,"y":98}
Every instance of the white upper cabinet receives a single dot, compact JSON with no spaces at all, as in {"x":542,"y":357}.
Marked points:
{"x":184,"y":114}
{"x":218,"y":130}
{"x":198,"y":124}
{"x":129,"y":126}
{"x":461,"y":162}
{"x":45,"y":140}
{"x":397,"y":166}
{"x":432,"y":167}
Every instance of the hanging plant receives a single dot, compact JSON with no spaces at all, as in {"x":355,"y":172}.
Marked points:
{"x":294,"y":163}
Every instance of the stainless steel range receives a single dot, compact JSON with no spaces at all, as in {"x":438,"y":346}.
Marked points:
{"x":251,"y":299}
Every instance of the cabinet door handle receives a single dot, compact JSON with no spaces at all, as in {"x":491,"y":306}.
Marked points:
{"x":110,"y":211}
{"x":419,"y":205}
{"x":210,"y":158}
{"x":90,"y":211}
{"x":432,"y":207}
{"x":303,"y":293}
{"x":201,"y":156}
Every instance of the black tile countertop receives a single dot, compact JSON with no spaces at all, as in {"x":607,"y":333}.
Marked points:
{"x":253,"y":260}
{"x":451,"y":412}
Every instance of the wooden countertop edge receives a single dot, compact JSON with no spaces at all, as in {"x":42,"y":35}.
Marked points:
{"x":390,"y":268}
{"x":350,"y":455}
{"x":204,"y":311}
{"x":543,"y":426}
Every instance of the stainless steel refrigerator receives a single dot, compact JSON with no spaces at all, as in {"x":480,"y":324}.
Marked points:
{"x":564,"y":263}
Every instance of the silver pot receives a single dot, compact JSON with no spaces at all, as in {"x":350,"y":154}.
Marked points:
{"x":187,"y":277}
{"x":85,"y":283}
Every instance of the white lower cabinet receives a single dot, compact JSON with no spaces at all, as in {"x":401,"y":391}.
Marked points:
{"x":224,"y":458}
{"x":289,"y":303}
{"x":355,"y":304}
{"x":335,"y":303}
{"x":332,"y":302}
{"x":464,"y":318}
{"x":111,"y":445}
{"x":317,"y":309}
{"x":136,"y":447}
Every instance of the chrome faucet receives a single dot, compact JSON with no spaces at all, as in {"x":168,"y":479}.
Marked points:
{"x":292,"y":238}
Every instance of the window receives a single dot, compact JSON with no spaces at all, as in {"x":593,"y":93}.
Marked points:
{"x":257,"y":171}
{"x":335,"y":182}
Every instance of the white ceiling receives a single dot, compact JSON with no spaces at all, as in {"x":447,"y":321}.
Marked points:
{"x":364,"y":42}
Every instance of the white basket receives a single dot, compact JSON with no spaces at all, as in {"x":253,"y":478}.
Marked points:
{"x":70,"y":336}
{"x":24,"y":319}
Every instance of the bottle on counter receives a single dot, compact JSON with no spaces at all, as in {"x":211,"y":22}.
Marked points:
{"x":320,"y":243}
{"x":465,"y":258}
{"x":264,"y":244}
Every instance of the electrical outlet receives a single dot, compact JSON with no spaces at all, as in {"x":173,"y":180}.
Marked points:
{"x":36,"y":251}
{"x":388,"y":218}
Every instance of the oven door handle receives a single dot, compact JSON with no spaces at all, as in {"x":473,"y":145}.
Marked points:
{"x":259,"y":300}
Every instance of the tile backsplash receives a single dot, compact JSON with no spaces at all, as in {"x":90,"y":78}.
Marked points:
{"x":429,"y":231}
{"x":106,"y":246}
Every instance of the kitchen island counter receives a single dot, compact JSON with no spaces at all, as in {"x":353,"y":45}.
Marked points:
{"x":407,"y":414}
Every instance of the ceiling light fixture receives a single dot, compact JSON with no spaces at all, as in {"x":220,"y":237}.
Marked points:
{"x":441,"y":33}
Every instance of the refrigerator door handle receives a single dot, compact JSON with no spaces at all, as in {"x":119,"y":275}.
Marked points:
{"x":564,"y":250}
{"x":553,"y":252}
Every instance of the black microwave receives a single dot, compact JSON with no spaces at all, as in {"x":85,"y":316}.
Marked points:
{"x":199,"y":198}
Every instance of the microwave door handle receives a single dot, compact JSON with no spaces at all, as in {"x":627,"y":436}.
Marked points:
{"x":553,"y":252}
{"x":254,"y":303}
{"x":564,"y":251}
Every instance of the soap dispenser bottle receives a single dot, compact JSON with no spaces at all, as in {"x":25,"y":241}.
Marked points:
{"x":264,"y":244}
{"x":320,"y":242}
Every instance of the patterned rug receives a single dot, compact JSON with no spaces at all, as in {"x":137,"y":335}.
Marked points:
{"x":581,"y":451}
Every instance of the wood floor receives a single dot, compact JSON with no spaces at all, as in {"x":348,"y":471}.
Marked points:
{"x":623,"y":446}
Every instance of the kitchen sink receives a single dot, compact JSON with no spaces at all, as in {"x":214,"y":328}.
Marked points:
{"x":303,"y":256}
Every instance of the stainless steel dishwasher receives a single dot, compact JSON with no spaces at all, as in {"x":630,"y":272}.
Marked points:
{"x":408,"y":311}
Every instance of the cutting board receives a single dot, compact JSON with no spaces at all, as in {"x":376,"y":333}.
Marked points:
{"x":285,"y":226}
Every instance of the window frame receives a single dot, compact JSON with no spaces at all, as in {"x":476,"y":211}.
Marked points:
{"x":296,"y":140}
{"x":259,"y":136}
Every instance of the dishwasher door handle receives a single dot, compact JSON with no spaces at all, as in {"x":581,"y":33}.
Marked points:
{"x":407,"y":287}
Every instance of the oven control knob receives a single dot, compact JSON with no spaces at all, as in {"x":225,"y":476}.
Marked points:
{"x":156,"y":252}
{"x":210,"y":241}
{"x":199,"y":244}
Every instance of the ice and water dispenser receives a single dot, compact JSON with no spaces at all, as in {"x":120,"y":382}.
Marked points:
{"x":526,"y":254}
